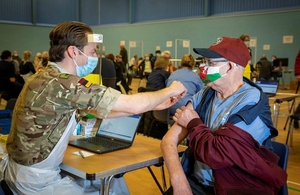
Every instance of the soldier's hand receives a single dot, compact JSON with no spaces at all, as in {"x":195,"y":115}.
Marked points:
{"x":178,"y":89}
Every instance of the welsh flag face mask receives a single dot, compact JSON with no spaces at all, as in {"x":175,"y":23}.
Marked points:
{"x":210,"y":74}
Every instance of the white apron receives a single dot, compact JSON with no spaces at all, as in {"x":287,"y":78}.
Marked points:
{"x":44,"y":178}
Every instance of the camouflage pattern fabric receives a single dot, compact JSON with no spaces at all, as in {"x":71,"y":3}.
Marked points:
{"x":44,"y":108}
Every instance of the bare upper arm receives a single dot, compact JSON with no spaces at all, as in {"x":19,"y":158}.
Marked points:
{"x":190,"y":106}
{"x":177,"y":133}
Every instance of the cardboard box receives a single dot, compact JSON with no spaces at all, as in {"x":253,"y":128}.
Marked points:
{"x":87,"y":126}
{"x":293,"y":85}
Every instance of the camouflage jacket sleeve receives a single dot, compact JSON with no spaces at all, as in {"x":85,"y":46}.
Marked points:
{"x":60,"y":92}
{"x":82,"y":94}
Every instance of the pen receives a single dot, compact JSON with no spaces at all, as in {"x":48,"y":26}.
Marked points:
{"x":81,"y":154}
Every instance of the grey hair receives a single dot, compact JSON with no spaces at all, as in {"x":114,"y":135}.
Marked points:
{"x":166,"y":51}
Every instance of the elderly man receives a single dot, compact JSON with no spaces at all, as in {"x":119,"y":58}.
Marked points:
{"x":229,"y":124}
{"x":123,"y":53}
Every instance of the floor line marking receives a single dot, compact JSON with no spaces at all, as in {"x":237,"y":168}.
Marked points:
{"x":293,"y":183}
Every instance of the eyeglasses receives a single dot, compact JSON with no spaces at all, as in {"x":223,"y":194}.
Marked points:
{"x":208,"y":62}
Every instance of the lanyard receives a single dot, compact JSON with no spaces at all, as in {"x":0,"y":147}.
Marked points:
{"x":222,"y":115}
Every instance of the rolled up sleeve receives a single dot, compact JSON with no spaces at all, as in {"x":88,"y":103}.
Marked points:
{"x":107,"y":102}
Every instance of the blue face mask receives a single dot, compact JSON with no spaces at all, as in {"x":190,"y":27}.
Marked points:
{"x":87,"y":68}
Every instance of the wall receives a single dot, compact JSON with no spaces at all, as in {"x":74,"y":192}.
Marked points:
{"x":24,"y":37}
{"x":267,"y":28}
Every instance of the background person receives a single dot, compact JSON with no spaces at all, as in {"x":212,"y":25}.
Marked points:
{"x":133,"y":67}
{"x":16,"y":56}
{"x":157,"y":78}
{"x":188,"y":78}
{"x":297,"y":75}
{"x":265,"y":68}
{"x":124,"y":83}
{"x":44,"y":61}
{"x":145,"y":67}
{"x":157,"y":54}
{"x":277,"y":70}
{"x":124,"y":54}
{"x":228,"y":122}
{"x":168,"y":55}
{"x":8,"y":81}
{"x":16,"y":64}
{"x":26,"y":66}
{"x":250,"y":72}
{"x":37,"y":59}
{"x":45,"y":113}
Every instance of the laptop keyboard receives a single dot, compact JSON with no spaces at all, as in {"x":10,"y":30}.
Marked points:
{"x":105,"y":142}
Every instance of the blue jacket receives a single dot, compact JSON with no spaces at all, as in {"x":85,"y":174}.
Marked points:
{"x":247,"y":114}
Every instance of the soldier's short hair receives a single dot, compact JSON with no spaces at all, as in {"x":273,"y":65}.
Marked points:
{"x":65,"y":34}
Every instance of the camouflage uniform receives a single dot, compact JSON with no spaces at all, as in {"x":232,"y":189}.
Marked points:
{"x":44,"y":108}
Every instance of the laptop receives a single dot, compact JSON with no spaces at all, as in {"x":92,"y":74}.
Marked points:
{"x":112,"y":134}
{"x":268,"y":87}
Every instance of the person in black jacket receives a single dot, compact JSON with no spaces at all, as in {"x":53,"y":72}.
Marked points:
{"x":265,"y":68}
{"x":26,"y":66}
{"x":8,"y":82}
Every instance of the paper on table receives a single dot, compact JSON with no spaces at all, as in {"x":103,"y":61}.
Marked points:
{"x":84,"y":153}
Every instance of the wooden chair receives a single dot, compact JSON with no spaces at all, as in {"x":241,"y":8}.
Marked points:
{"x":123,"y":91}
{"x":2,"y":93}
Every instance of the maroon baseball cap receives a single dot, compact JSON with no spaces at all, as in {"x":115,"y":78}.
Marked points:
{"x":233,"y":49}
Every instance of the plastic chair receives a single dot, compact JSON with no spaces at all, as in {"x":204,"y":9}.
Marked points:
{"x":290,"y":129}
{"x":282,"y":150}
{"x":159,"y":125}
{"x":109,"y":82}
{"x":10,"y":105}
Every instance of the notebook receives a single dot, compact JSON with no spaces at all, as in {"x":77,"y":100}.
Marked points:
{"x":112,"y":134}
{"x":268,"y":87}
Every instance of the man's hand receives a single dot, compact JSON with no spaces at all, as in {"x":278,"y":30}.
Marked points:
{"x":166,"y":104}
{"x":184,"y":115}
{"x":178,"y":89}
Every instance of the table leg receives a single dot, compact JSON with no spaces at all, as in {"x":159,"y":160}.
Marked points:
{"x":291,"y":137}
{"x":290,"y":109}
{"x":102,"y":189}
{"x":155,"y":179}
{"x":276,"y":113}
{"x":163,"y":177}
{"x":108,"y":184}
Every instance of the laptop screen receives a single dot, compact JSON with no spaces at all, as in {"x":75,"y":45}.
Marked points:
{"x":120,"y":128}
{"x":268,"y":87}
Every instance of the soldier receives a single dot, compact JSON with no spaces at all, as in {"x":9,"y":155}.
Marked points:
{"x":45,"y":112}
